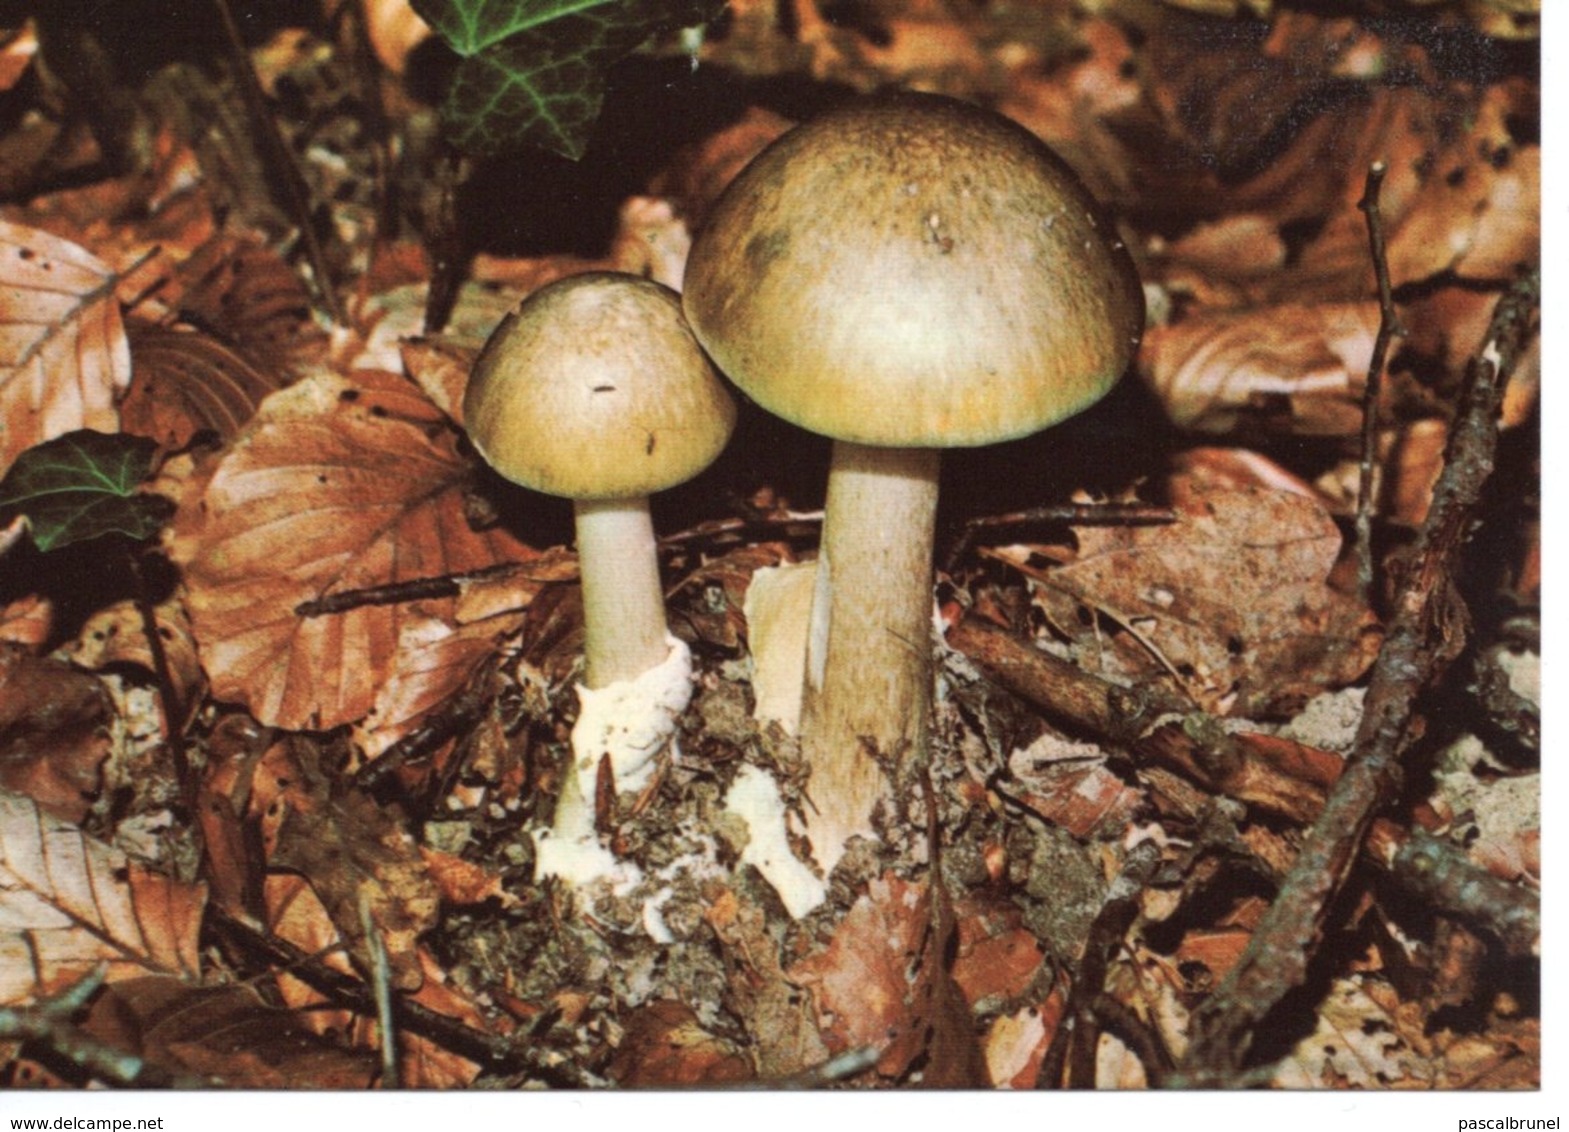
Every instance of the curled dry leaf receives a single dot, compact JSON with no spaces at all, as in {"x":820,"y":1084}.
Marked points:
{"x":63,"y":349}
{"x":1298,"y":369}
{"x":338,"y":484}
{"x":53,"y":732}
{"x":188,"y":382}
{"x":69,"y":903}
{"x":1233,"y":600}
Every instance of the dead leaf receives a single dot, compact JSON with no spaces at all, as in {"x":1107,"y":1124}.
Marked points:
{"x":1232,"y":600}
{"x":354,"y":850}
{"x":1478,"y":213}
{"x":227,"y":1034}
{"x":26,"y":621}
{"x":63,"y":350}
{"x":1296,"y":369}
{"x":53,"y":732}
{"x":69,"y":903}
{"x":665,"y":1047}
{"x":436,"y":658}
{"x":883,"y":982}
{"x":462,"y":882}
{"x":336,"y":485}
{"x":187,"y":382}
{"x":1070,"y":786}
{"x":1358,"y":1044}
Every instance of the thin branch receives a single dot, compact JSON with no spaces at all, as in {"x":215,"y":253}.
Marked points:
{"x":1427,"y":633}
{"x":1388,"y":327}
{"x":397,"y":593}
{"x":1074,"y":514}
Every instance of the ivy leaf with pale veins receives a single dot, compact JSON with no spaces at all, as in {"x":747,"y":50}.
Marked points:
{"x":82,"y":485}
{"x":533,"y":71}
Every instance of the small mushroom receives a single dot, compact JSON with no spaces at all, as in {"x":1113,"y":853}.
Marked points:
{"x":594,"y":389}
{"x":905,"y":274}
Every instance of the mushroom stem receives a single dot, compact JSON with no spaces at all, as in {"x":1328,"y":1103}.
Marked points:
{"x":868,"y":655}
{"x":623,"y":604}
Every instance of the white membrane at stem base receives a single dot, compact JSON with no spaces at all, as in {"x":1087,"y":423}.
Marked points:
{"x":754,"y":797}
{"x":778,"y":611}
{"x":630,"y":721}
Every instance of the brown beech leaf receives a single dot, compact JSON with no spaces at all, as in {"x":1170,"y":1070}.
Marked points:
{"x":1070,"y":786}
{"x":1294,"y":368}
{"x":250,"y":296}
{"x":296,"y":914}
{"x":883,"y":981}
{"x":1232,"y":599}
{"x":187,"y":382}
{"x":27,"y":621}
{"x":665,"y":1047}
{"x":463,"y":883}
{"x":69,"y":903}
{"x":53,"y":732}
{"x":337,"y":484}
{"x":227,"y":1034}
{"x":861,"y":982}
{"x":63,"y":349}
{"x":436,"y":657}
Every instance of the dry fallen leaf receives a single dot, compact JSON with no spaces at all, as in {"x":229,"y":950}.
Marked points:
{"x":1232,"y":601}
{"x":63,"y":349}
{"x":1298,"y":369}
{"x":69,"y":903}
{"x":337,"y":484}
{"x":665,"y":1047}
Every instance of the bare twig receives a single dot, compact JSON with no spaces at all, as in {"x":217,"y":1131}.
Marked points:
{"x":1425,"y":635}
{"x":1446,"y":880}
{"x":397,"y":593}
{"x":1388,"y":327}
{"x":1076,"y":514}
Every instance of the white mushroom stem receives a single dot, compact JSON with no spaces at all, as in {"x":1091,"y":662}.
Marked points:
{"x":868,"y":656}
{"x":623,"y":603}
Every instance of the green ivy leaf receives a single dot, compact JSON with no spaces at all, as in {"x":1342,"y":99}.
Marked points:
{"x":82,"y":485}
{"x":533,"y":71}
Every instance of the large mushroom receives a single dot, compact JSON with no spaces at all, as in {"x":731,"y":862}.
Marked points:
{"x":905,"y":274}
{"x":594,"y":389}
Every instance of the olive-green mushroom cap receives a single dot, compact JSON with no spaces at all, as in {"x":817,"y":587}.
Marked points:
{"x":914,"y":271}
{"x":594,"y":388}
